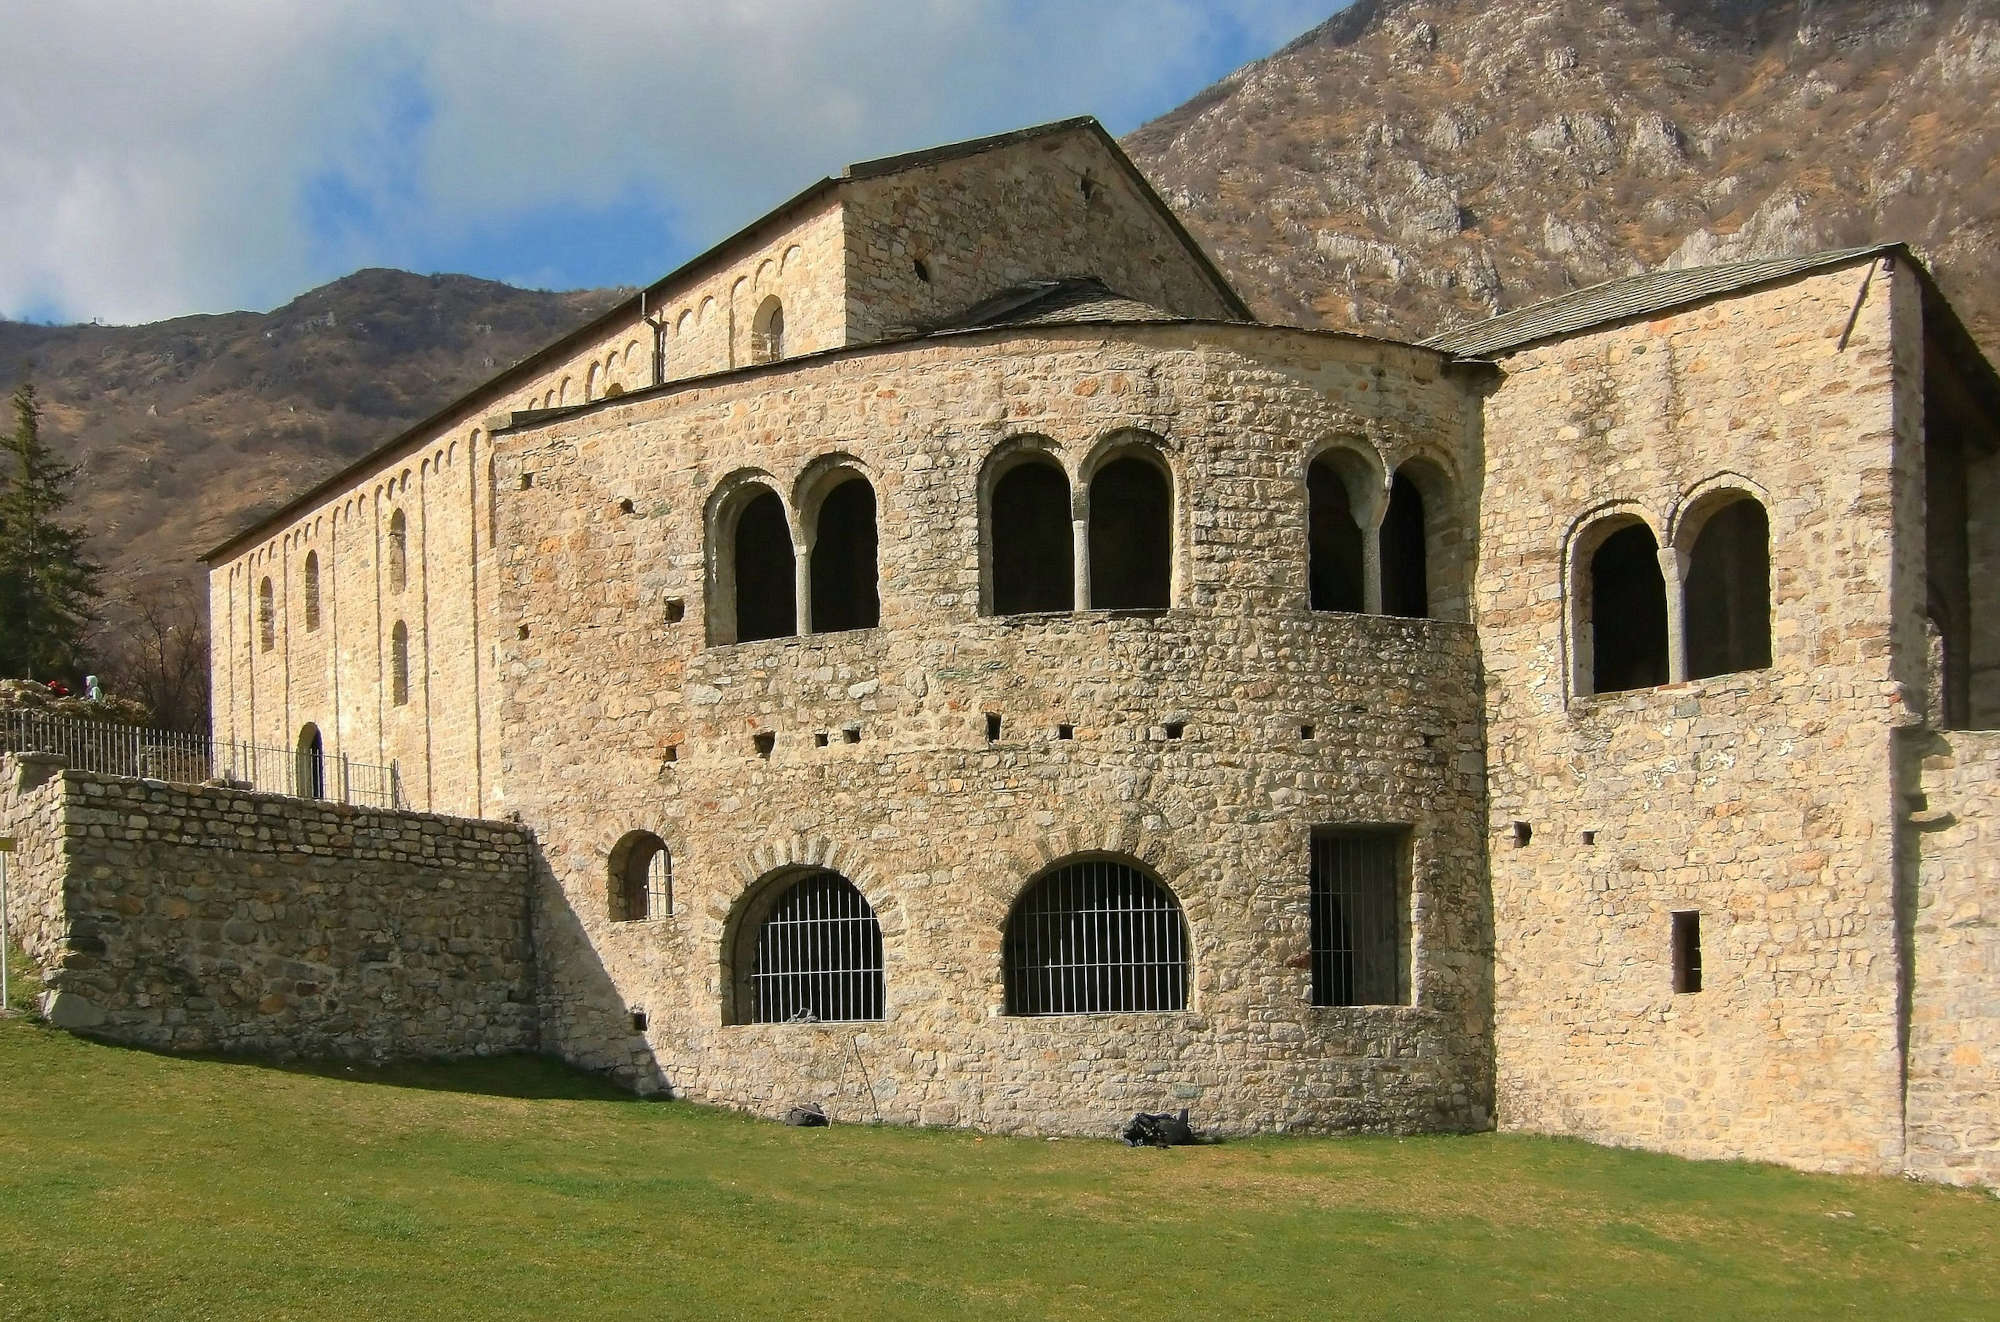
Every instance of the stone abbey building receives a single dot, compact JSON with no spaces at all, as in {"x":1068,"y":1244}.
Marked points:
{"x":948,"y":661}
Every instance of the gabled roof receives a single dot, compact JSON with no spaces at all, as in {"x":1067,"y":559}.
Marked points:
{"x":416,"y":436}
{"x":1645,"y":295}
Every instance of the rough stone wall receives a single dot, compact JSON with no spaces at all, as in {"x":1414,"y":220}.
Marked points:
{"x":618,"y":719}
{"x":1765,"y":799}
{"x":31,"y":804}
{"x":204,"y":919}
{"x":1953,"y":1115}
{"x":1059,"y":206}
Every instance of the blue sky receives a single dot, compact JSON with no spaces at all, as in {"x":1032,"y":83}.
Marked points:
{"x":221,"y":154}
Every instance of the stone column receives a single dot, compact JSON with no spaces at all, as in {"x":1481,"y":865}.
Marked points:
{"x":1677,"y":655}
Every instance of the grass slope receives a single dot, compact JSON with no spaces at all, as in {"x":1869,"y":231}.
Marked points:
{"x":141,"y":1186}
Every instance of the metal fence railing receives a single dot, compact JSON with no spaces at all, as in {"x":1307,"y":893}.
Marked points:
{"x":305,"y":772}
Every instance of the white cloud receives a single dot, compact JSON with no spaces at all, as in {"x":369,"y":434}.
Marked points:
{"x":163,"y":159}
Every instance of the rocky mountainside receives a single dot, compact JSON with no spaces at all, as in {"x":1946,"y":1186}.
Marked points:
{"x":187,"y":429}
{"x":1407,"y":166}
{"x":1414,"y":164}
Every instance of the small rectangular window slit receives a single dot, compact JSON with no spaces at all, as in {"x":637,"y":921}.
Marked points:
{"x":766,"y":741}
{"x":673,"y":753}
{"x":821,"y":738}
{"x":1175,"y":729}
{"x":1590,"y":837}
{"x":1065,"y":732}
{"x":1306,"y":732}
{"x":851,"y":733}
{"x":638,"y":1021}
{"x":1523,"y":833}
{"x":1687,"y":950}
{"x":676,"y":610}
{"x":527,"y":480}
{"x":992,"y":727}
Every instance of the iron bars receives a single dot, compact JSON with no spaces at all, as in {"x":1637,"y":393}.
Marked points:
{"x":1096,"y":937}
{"x":818,"y":956}
{"x":1357,"y":917}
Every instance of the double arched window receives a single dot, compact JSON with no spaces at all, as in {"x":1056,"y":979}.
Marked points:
{"x":808,"y":948}
{"x":1095,"y":935}
{"x":1640,"y":617}
{"x":754,"y":586}
{"x":1373,"y":547}
{"x":1029,"y":546}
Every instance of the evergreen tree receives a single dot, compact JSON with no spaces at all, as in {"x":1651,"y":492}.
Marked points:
{"x":48,"y":586}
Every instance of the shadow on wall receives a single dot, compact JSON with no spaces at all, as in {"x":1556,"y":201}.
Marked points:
{"x":585,"y":1020}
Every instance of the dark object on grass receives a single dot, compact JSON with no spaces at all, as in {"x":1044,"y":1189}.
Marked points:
{"x":808,"y":1116}
{"x":1160,"y":1131}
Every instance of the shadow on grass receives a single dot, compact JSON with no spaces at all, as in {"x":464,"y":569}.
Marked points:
{"x":519,"y":1074}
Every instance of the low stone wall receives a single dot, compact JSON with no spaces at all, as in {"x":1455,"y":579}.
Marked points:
{"x":208,"y":919}
{"x":1952,"y":1111}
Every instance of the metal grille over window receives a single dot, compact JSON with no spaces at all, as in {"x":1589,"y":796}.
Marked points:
{"x":1357,"y":917}
{"x":819,"y":955}
{"x":1094,"y":937}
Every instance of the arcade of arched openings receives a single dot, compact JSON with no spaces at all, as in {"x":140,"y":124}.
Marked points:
{"x":1375,"y":548}
{"x":1642,"y":617}
{"x":755,"y":558}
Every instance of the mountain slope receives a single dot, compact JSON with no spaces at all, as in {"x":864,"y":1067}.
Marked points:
{"x":185,"y":430}
{"x":1414,"y":164}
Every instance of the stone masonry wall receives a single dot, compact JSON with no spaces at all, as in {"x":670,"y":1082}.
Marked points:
{"x":1953,"y":1122}
{"x":31,"y":803}
{"x":205,"y":919}
{"x":1764,"y":800}
{"x":1061,"y":206}
{"x":620,"y":716}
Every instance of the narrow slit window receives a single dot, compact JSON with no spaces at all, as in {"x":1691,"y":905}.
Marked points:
{"x":1687,"y":951}
{"x":1360,"y":934}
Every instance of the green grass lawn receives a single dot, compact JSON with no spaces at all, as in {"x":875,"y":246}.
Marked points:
{"x":141,"y":1186}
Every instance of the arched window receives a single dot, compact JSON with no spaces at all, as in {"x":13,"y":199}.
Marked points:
{"x":1626,"y":596}
{"x":399,"y":664}
{"x":1092,"y":936}
{"x":1336,"y":570}
{"x":762,"y":588}
{"x":312,"y":591}
{"x":814,"y":952}
{"x":1405,"y":557}
{"x":590,"y":384}
{"x":1029,"y":536}
{"x":1131,"y":535}
{"x":767,"y":332}
{"x":267,"y":616}
{"x":1728,"y":591}
{"x":844,"y":589}
{"x":309,"y":775}
{"x":398,"y":551}
{"x":642,"y":878}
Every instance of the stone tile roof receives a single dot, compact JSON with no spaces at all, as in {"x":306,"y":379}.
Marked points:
{"x":1648,"y":294}
{"x":1049,"y":302}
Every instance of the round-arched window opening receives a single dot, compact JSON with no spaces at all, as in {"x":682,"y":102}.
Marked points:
{"x":809,"y":950}
{"x":642,"y":878}
{"x":309,"y":773}
{"x":767,"y":332}
{"x":1095,"y":936}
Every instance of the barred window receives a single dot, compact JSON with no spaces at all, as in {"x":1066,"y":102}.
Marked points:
{"x":818,"y":955}
{"x":1359,"y":934}
{"x":1095,"y":936}
{"x":642,"y":878}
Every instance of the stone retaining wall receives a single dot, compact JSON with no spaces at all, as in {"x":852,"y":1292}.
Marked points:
{"x":209,"y":919}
